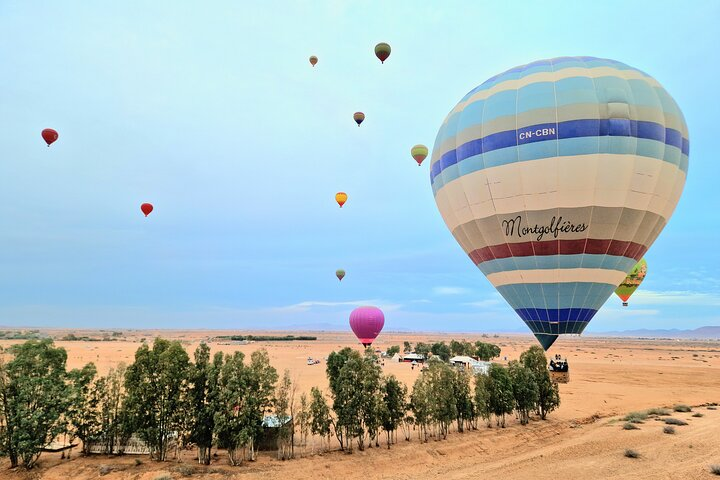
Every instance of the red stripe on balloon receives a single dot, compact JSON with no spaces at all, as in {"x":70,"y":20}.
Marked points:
{"x":559,"y":247}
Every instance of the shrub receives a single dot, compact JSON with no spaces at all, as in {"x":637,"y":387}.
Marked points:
{"x":658,"y":411}
{"x":669,"y":429}
{"x":715,"y":469}
{"x":711,"y":407}
{"x":138,"y":462}
{"x":630,"y":453}
{"x":682,"y":408}
{"x":698,"y":415}
{"x":630,"y":426}
{"x":184,"y":470}
{"x":105,"y":469}
{"x":635,"y":417}
{"x":675,"y":421}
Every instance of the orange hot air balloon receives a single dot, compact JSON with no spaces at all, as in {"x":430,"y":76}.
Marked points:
{"x":358,"y":117}
{"x":49,"y":135}
{"x":313,"y":60}
{"x":146,"y":208}
{"x":341,"y":198}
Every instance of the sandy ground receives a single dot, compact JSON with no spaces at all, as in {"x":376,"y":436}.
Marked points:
{"x":584,"y":438}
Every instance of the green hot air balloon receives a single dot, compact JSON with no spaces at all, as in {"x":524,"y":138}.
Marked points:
{"x":419,"y":153}
{"x":382,"y":51}
{"x":632,"y":282}
{"x":340,"y":273}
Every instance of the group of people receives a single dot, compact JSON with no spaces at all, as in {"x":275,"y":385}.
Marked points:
{"x":558,"y":364}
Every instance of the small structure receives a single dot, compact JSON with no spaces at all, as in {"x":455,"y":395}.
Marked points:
{"x":559,"y":370}
{"x":413,"y":357}
{"x":271,"y":426}
{"x":396,"y":358}
{"x":470,"y":363}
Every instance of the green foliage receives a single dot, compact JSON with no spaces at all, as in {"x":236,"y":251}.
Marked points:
{"x":407,"y":347}
{"x":548,"y":392}
{"x":156,"y":384}
{"x":657,"y":411}
{"x":486,"y":351}
{"x":500,"y":389}
{"x":284,"y":399}
{"x":630,"y":426}
{"x":115,"y":425}
{"x":320,"y":420}
{"x":203,"y":393}
{"x":393,"y":350}
{"x":682,"y":408}
{"x":463,"y":399}
{"x":393,"y":406}
{"x":83,"y":409}
{"x":266,"y":338}
{"x":441,"y":350}
{"x":462,"y":348}
{"x":636,"y":417}
{"x":675,"y":421}
{"x":525,"y":390}
{"x":20,"y":335}
{"x":482,"y":397}
{"x":32,"y":400}
{"x":422,"y":348}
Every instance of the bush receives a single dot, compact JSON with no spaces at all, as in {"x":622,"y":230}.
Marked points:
{"x":669,"y":429}
{"x":711,"y":407}
{"x":630,"y":426}
{"x":658,"y":411}
{"x":682,"y":408}
{"x":138,"y":462}
{"x":630,"y":453}
{"x":635,"y":417}
{"x":184,"y":470}
{"x":715,"y":469}
{"x":698,"y":415}
{"x":105,"y":469}
{"x":675,"y":421}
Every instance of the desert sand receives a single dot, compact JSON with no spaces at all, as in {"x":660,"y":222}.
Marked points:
{"x":582,"y":439}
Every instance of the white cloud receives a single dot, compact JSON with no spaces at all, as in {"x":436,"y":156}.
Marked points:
{"x":450,"y":290}
{"x":490,"y":302}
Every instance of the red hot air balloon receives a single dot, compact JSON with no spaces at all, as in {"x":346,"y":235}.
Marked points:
{"x":49,"y":135}
{"x":366,"y":324}
{"x":146,"y":208}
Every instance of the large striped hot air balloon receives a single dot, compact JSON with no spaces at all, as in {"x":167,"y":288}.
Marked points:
{"x":555,"y":177}
{"x":366,"y":323}
{"x":632,"y":282}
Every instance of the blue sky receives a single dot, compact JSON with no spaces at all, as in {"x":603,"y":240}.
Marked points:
{"x":211,"y":111}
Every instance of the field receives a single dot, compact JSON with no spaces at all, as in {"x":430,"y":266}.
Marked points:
{"x":584,"y":438}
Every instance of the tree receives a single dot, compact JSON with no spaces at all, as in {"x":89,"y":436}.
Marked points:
{"x":486,"y":351}
{"x":463,"y":399}
{"x":284,"y":400}
{"x":115,"y":427}
{"x":407,"y":347}
{"x":462,"y":348}
{"x":393,"y":405}
{"x":483,"y":405}
{"x":202,"y":399}
{"x":32,"y":400}
{"x":83,"y":412}
{"x":320,"y":419}
{"x":421,"y":405}
{"x":303,"y":419}
{"x":548,"y":392}
{"x":500,"y":392}
{"x":393,"y":350}
{"x":156,"y":384}
{"x":423,"y":349}
{"x":441,"y":350}
{"x":525,"y":390}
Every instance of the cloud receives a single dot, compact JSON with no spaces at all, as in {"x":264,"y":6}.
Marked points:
{"x":314,"y":304}
{"x":490,"y":302}
{"x":675,"y":297}
{"x":450,"y":290}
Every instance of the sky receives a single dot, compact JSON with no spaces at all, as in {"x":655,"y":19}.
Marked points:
{"x":212,"y":112}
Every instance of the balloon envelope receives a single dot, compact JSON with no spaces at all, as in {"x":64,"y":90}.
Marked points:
{"x":358,"y":117}
{"x":555,"y":178}
{"x":49,"y":135}
{"x":366,"y":323}
{"x":313,"y":60}
{"x":632,"y":281}
{"x":419,"y":153}
{"x":146,"y":208}
{"x":341,"y":198}
{"x":382,"y":51}
{"x":340,"y":274}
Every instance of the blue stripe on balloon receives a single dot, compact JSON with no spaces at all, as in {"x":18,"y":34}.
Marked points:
{"x":549,"y":262}
{"x":557,"y":295}
{"x":555,"y":315}
{"x":563,"y":130}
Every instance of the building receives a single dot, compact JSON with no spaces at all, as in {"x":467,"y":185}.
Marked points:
{"x":413,"y":357}
{"x":469,"y":362}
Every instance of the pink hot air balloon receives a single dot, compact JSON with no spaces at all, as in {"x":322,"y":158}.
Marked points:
{"x":366,"y":323}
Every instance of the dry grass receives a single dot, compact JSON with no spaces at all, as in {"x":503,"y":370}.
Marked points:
{"x":636,"y":417}
{"x":630,"y":453}
{"x":682,"y":408}
{"x":675,"y":421}
{"x":630,"y":426}
{"x":669,"y":429}
{"x":658,"y":411}
{"x":698,"y":415}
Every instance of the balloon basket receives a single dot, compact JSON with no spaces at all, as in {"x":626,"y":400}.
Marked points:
{"x":560,"y":377}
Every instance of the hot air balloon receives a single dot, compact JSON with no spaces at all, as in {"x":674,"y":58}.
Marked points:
{"x":419,"y":152}
{"x":366,"y":324}
{"x":146,"y":208}
{"x":49,"y":135}
{"x":382,"y":51}
{"x":313,"y":60}
{"x":340,"y":274}
{"x":358,"y":117}
{"x":341,"y":198}
{"x":632,"y":281}
{"x":555,"y":177}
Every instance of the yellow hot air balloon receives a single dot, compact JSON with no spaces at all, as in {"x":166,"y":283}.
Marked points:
{"x":341,"y":198}
{"x":419,"y":153}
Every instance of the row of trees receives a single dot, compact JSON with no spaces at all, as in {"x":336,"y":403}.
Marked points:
{"x":481,"y":350}
{"x":163,"y":399}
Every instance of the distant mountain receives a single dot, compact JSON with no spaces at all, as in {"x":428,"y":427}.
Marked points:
{"x":709,"y":332}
